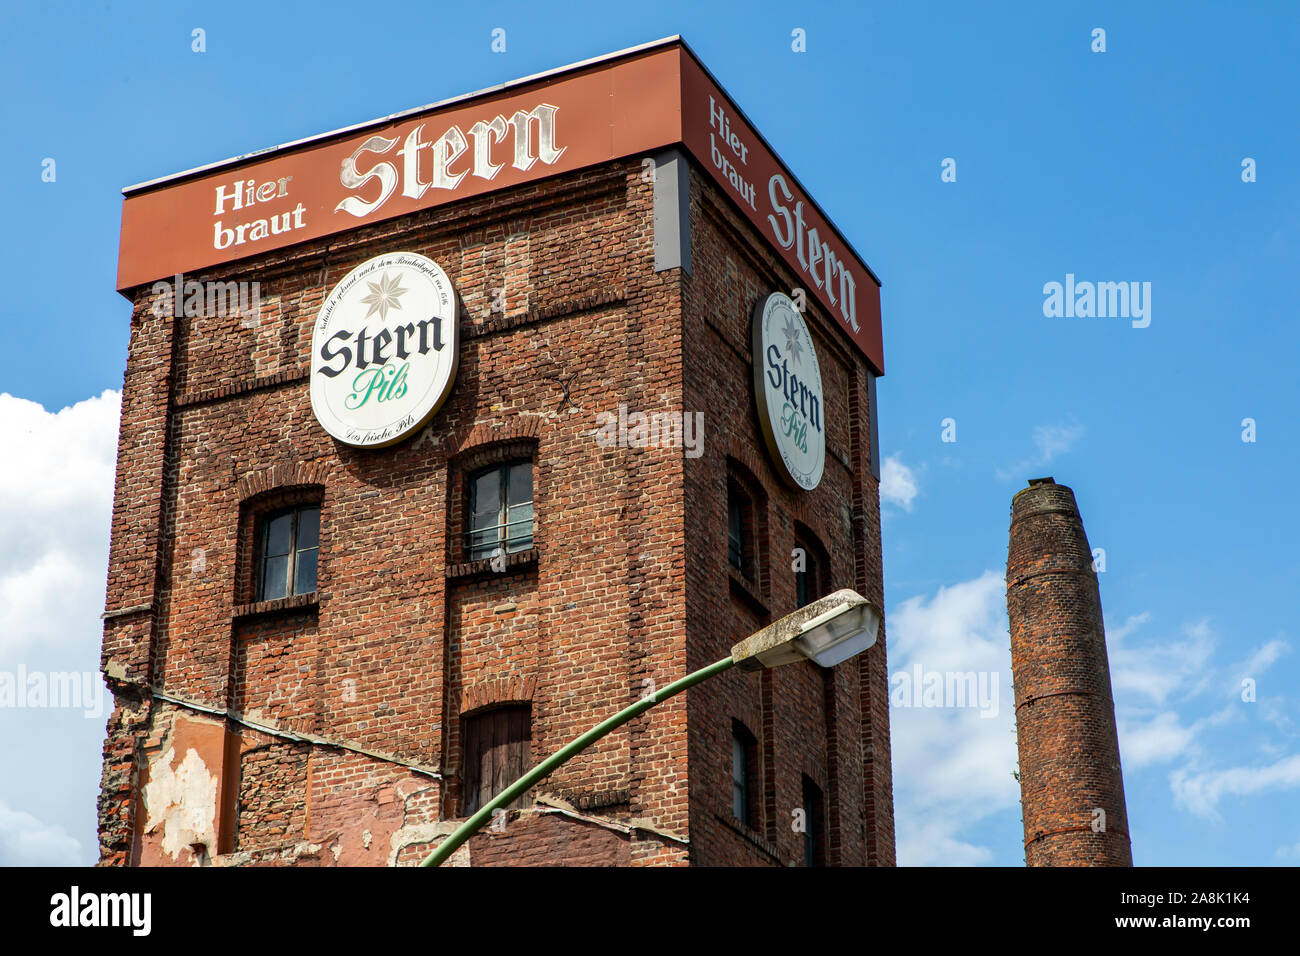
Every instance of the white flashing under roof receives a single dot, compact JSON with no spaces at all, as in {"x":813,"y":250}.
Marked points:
{"x":500,"y":87}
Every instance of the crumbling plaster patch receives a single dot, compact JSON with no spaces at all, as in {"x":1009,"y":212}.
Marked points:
{"x":183,"y":801}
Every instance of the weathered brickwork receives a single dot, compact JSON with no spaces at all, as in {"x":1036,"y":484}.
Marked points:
{"x":325,"y":729}
{"x":1065,"y":715}
{"x":832,"y":726}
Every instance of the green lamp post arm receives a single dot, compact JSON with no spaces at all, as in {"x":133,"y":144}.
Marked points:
{"x":548,"y":766}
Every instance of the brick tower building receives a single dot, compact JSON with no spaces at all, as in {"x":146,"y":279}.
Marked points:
{"x":332,"y":632}
{"x":1071,"y":787}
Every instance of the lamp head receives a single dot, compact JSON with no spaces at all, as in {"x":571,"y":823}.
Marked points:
{"x":828,"y":631}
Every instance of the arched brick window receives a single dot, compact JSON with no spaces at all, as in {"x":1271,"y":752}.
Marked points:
{"x":280,"y":544}
{"x":812,"y":566}
{"x":288,"y":542}
{"x":744,"y":775}
{"x":746,"y":522}
{"x":814,"y":834}
{"x":500,"y":509}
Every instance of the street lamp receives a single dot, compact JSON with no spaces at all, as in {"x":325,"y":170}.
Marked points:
{"x":827,"y":631}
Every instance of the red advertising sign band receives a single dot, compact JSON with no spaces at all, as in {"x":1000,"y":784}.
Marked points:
{"x":770,"y":197}
{"x":568,"y":120}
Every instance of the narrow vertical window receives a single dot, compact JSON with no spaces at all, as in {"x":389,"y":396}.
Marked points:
{"x":743,"y":769}
{"x":805,"y":586}
{"x":735,"y":528}
{"x":497,"y":749}
{"x":500,"y":510}
{"x":814,"y":834}
{"x":812,"y":571}
{"x":287,"y":558}
{"x":807,"y":580}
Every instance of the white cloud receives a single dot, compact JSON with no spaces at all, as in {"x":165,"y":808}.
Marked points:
{"x":1051,"y":442}
{"x":1200,"y":792}
{"x":1156,"y":741}
{"x":952,"y":766}
{"x":897,"y":483}
{"x":26,"y":841}
{"x":1289,"y":852}
{"x":56,"y":493}
{"x":1159,"y":681}
{"x":931,"y":843}
{"x":1116,"y":634}
{"x":1155,"y":670}
{"x":56,"y":497}
{"x":1261,"y":660}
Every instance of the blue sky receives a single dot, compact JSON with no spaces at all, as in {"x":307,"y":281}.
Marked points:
{"x":1117,"y":166}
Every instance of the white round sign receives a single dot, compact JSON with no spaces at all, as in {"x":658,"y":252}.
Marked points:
{"x":788,"y":390}
{"x":384,"y":350}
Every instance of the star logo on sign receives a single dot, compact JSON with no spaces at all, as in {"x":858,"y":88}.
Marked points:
{"x":383,"y":296}
{"x":792,"y":344}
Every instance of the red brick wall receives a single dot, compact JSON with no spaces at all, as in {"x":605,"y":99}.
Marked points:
{"x":1065,"y":715}
{"x":342,"y":711}
{"x":831,"y":725}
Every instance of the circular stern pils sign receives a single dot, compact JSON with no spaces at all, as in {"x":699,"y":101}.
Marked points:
{"x":788,"y":390}
{"x":385,"y":349}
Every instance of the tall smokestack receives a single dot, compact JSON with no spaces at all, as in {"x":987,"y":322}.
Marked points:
{"x":1071,"y":788}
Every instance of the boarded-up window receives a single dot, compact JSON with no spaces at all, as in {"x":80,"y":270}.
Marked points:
{"x":497,"y":753}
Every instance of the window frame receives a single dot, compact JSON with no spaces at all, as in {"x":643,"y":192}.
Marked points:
{"x":744,"y":488}
{"x":262,"y":523}
{"x":744,"y":751}
{"x":740,"y":544}
{"x":808,"y":578}
{"x":735,"y":532}
{"x":813,"y":799}
{"x":503,"y":541}
{"x":816,"y":576}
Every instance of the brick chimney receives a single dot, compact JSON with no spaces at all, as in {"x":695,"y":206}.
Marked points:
{"x":1071,"y":787}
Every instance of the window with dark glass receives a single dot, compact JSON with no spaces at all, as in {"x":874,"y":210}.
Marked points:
{"x":289,"y":542}
{"x":500,"y":510}
{"x":497,"y":753}
{"x":735,"y":528}
{"x":807,"y":579}
{"x":811,"y":568}
{"x":814,"y":834}
{"x":743,"y":767}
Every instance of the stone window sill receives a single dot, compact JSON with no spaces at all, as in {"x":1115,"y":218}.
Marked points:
{"x":750,"y":836}
{"x":296,"y":602}
{"x":746,"y":588}
{"x":483,"y":566}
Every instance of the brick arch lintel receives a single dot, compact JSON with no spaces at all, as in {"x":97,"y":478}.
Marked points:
{"x":800,"y":515}
{"x":796,"y":506}
{"x":520,"y":428}
{"x":281,"y":475}
{"x":487,"y":441}
{"x":756,"y":467}
{"x":496,"y":691}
